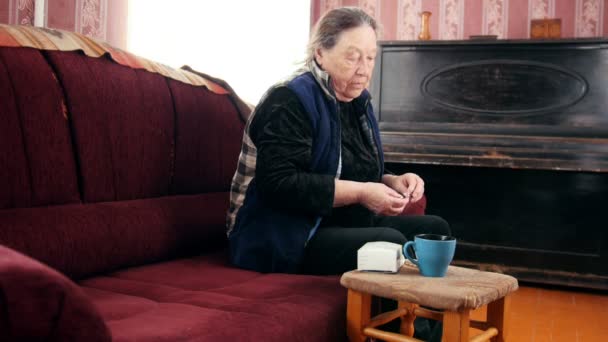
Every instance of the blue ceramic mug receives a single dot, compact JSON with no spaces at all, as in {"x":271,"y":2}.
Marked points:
{"x":434,"y":253}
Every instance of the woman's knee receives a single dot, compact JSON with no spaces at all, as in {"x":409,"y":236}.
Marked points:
{"x":437,"y":225}
{"x":390,"y":235}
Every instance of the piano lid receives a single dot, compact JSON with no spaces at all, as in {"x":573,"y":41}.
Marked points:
{"x":516,"y":104}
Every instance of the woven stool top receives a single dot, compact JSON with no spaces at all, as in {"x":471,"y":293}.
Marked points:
{"x":461,"y":288}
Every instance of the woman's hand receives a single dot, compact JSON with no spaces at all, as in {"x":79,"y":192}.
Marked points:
{"x":409,"y":184}
{"x":382,"y":200}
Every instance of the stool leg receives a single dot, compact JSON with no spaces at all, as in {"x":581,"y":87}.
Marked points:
{"x":496,"y":317}
{"x":407,"y":321}
{"x":358,"y":314}
{"x":456,"y":326}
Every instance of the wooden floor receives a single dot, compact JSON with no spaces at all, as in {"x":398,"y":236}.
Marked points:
{"x":541,"y":314}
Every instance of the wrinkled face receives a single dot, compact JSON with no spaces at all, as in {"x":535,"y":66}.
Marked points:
{"x":350,"y":62}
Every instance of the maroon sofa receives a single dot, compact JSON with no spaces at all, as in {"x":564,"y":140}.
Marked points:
{"x":112,"y":208}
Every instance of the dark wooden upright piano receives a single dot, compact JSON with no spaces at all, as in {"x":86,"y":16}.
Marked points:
{"x":511,"y":138}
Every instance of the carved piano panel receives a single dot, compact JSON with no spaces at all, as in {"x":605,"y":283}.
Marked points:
{"x":512,"y":140}
{"x":519,"y":104}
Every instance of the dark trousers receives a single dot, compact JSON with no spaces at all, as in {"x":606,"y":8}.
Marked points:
{"x":333,"y":250}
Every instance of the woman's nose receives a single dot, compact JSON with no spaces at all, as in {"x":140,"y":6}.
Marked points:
{"x":364,"y":69}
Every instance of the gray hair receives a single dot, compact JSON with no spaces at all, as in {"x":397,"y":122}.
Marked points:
{"x":328,"y":29}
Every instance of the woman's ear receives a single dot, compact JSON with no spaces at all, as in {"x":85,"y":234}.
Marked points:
{"x":319,"y":56}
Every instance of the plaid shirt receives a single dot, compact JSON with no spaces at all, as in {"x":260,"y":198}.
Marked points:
{"x":247,"y":158}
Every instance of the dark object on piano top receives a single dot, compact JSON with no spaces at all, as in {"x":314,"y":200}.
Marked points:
{"x":483,"y":37}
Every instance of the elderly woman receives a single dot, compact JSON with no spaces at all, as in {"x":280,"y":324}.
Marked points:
{"x":310,"y":188}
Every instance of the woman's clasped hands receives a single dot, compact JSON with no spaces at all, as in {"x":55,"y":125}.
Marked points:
{"x":392,"y":195}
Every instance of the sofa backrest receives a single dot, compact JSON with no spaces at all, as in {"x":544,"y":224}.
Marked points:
{"x":122,"y":123}
{"x":37,"y":165}
{"x":141,"y":135}
{"x":94,"y":157}
{"x":208,"y":140}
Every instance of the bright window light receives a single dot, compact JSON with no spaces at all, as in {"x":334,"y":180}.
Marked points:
{"x":249,"y":44}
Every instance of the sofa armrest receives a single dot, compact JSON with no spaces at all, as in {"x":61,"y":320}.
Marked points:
{"x":38,"y":303}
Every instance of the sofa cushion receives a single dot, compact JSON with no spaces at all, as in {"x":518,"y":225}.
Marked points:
{"x":208,"y":139}
{"x":203,"y":298}
{"x":123,"y":126}
{"x":84,"y":239}
{"x":36,"y":156}
{"x":40,"y":304}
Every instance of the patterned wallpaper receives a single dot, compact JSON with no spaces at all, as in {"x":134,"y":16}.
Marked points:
{"x":17,"y":12}
{"x":459,"y":19}
{"x":450,"y":19}
{"x":91,"y":18}
{"x":100,"y":19}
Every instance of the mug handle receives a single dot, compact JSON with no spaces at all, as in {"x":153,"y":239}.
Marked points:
{"x":407,"y":254}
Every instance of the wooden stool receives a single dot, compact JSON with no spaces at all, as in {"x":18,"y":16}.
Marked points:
{"x":453,"y":296}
